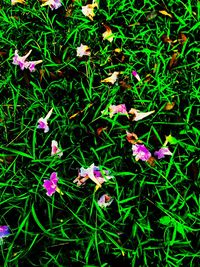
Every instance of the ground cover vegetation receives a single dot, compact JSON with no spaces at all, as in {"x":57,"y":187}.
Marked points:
{"x":99,"y":123}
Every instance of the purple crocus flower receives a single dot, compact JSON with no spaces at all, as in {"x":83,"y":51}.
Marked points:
{"x":162,"y":152}
{"x":4,"y":231}
{"x":141,"y":152}
{"x":51,"y":185}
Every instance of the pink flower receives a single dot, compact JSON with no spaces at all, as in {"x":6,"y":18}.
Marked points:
{"x":141,"y":152}
{"x":51,"y":185}
{"x":162,"y":152}
{"x":83,"y":51}
{"x":32,"y":64}
{"x":105,"y":201}
{"x":55,"y":150}
{"x":53,"y":4}
{"x":113,"y":109}
{"x":21,"y":61}
{"x":43,"y":122}
{"x":94,"y":173}
{"x":135,"y":74}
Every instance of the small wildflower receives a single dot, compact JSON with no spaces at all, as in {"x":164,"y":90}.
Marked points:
{"x":141,"y":152}
{"x":135,"y":74}
{"x":32,"y":64}
{"x":113,"y":109}
{"x":107,"y":35}
{"x":83,"y":51}
{"x":53,"y":4}
{"x":139,"y":115}
{"x":94,"y":173}
{"x":14,"y":2}
{"x":88,"y":10}
{"x":105,"y":201}
{"x":43,"y":124}
{"x":21,"y":61}
{"x":55,"y":150}
{"x":112,"y":79}
{"x":51,"y":185}
{"x":162,"y":152}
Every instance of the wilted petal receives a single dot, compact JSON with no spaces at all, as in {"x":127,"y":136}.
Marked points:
{"x":13,"y":2}
{"x":132,"y":138}
{"x":112,"y":79}
{"x":107,"y":35}
{"x":139,"y":115}
{"x":105,"y":201}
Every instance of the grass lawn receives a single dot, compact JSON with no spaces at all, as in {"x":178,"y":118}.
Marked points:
{"x":118,"y":186}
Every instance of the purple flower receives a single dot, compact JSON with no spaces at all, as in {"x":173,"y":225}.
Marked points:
{"x":32,"y":65}
{"x":21,"y":61}
{"x":51,"y":185}
{"x":141,"y":152}
{"x":53,"y":4}
{"x":4,"y":231}
{"x":162,"y":152}
{"x":42,"y":122}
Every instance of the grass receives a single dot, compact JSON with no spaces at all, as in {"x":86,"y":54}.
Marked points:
{"x":154,"y":218}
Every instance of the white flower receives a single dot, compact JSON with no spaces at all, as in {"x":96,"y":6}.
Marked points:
{"x":83,"y":51}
